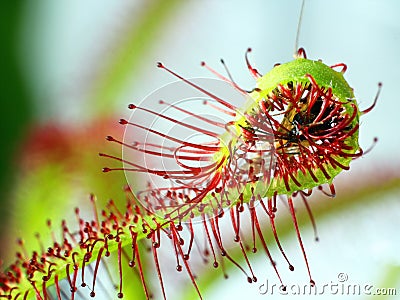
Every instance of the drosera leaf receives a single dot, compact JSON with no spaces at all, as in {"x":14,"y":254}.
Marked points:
{"x":114,"y":235}
{"x":296,"y":132}
{"x":93,"y":241}
{"x":313,"y":131}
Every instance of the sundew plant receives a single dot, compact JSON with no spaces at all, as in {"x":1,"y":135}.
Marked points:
{"x":265,"y":171}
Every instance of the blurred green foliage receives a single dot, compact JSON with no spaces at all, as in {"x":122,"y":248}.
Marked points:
{"x":127,"y":56}
{"x":16,"y":105}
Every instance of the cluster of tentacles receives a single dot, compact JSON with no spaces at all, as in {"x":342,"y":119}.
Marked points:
{"x":312,"y":131}
{"x":69,"y":267}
